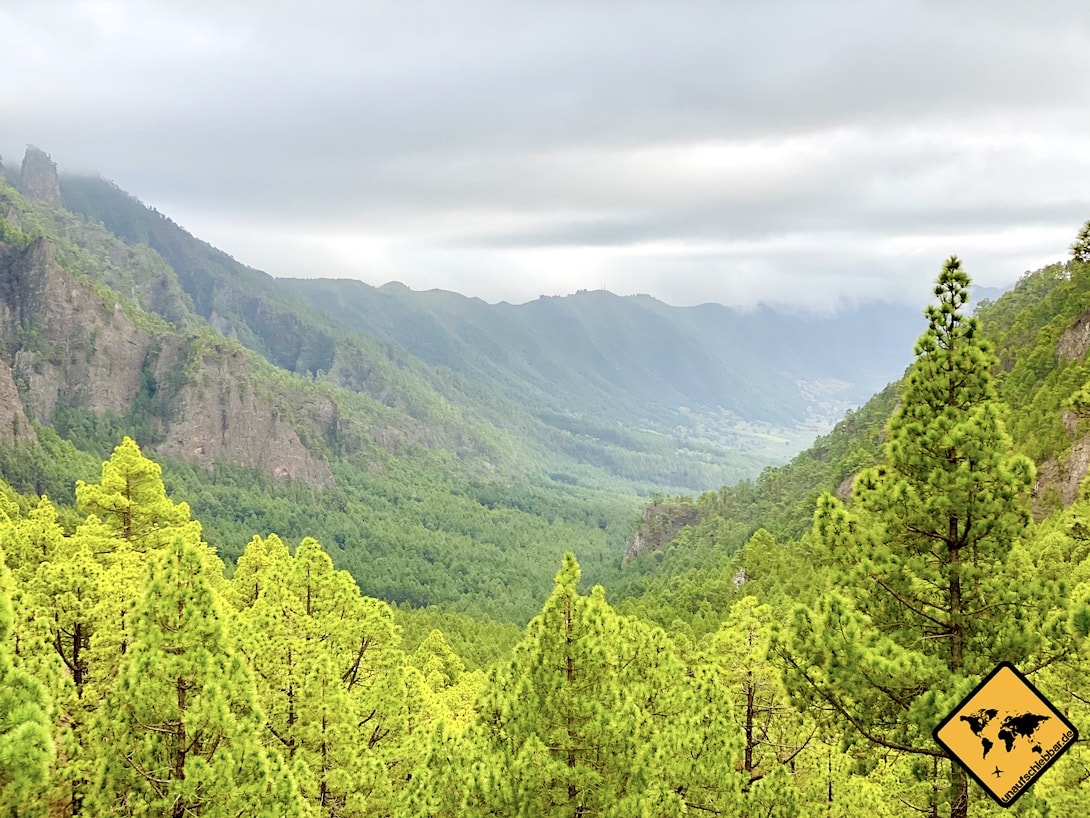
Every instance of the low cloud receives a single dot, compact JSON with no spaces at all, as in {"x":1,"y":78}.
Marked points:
{"x":792,"y":152}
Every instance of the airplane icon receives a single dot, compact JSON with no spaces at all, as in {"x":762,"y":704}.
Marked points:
{"x":998,"y":772}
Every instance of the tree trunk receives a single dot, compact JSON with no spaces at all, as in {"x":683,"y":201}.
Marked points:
{"x":959,"y":782}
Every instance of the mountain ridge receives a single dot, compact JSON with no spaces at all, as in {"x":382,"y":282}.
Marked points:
{"x":559,"y":381}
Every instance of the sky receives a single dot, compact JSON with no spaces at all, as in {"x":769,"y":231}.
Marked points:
{"x":804,"y":154}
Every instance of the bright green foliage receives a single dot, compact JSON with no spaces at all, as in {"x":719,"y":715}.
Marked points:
{"x":477,"y":642}
{"x":782,"y":574}
{"x":928,"y":606}
{"x":328,"y":673}
{"x":1060,"y":553}
{"x":593,"y":715}
{"x":454,"y":692}
{"x":131,"y":501}
{"x":30,"y":540}
{"x":441,"y":666}
{"x":180,"y":733}
{"x":57,"y":597}
{"x":67,"y":589}
{"x":26,"y":745}
{"x":774,"y":733}
{"x":259,"y":563}
{"x":84,"y":589}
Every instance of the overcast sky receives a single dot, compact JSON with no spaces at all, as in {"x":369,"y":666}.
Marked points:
{"x":799,"y":153}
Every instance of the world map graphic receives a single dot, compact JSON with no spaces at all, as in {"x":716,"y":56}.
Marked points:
{"x":1013,"y":728}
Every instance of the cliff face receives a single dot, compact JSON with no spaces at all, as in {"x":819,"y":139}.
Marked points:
{"x":222,"y":417}
{"x":15,"y":428}
{"x":661,"y":523}
{"x":65,"y":345}
{"x":38,"y":180}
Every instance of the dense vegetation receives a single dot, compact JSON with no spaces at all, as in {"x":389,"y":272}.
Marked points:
{"x":590,"y":389}
{"x":798,"y":675}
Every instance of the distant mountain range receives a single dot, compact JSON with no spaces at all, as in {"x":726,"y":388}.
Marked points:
{"x":590,"y":386}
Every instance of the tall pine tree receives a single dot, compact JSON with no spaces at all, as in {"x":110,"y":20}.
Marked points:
{"x":181,"y":732}
{"x":926,"y":607}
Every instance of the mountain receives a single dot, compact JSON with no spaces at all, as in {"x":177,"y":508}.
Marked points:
{"x":559,"y":411}
{"x":659,"y":396}
{"x":599,"y":355}
{"x":792,"y":662}
{"x":272,"y":415}
{"x":1039,"y":331}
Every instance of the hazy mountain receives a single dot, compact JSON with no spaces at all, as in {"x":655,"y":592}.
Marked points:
{"x":579,"y":373}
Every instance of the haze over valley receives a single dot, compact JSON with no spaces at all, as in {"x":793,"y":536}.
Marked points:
{"x":480,"y":409}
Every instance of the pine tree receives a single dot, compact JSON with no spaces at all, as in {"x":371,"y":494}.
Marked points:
{"x":452,"y":692}
{"x":130,"y":499}
{"x":596,"y":715}
{"x":181,"y":733}
{"x":773,"y":732}
{"x":31,"y":540}
{"x":26,"y":745}
{"x":259,"y":562}
{"x":1080,"y":250}
{"x":328,"y":674}
{"x":926,"y":607}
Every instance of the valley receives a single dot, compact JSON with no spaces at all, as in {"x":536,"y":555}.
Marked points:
{"x":315,"y":547}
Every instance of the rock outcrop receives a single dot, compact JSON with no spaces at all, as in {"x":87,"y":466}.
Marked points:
{"x":15,"y":427}
{"x":1075,"y":341}
{"x":1059,"y":480}
{"x":66,"y":345}
{"x":221,"y":416}
{"x":38,"y":180}
{"x":661,"y":523}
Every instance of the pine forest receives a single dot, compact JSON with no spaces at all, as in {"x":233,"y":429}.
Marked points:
{"x":408,"y":625}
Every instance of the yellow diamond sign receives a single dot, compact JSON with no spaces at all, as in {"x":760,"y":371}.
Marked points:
{"x":1005,"y":734}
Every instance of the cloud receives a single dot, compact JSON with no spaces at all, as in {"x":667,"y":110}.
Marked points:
{"x":693,"y":150}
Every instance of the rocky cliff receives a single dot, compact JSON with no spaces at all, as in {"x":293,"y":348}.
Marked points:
{"x":70,"y":344}
{"x":15,"y":428}
{"x":222,"y":416}
{"x":662,"y":522}
{"x":66,"y":345}
{"x":38,"y":180}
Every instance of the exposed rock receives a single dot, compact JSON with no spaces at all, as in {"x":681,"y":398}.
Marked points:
{"x":67,"y":345}
{"x":14,"y":426}
{"x":1070,"y":421}
{"x":1060,"y":481}
{"x":71,"y":348}
{"x":22,"y":286}
{"x":844,"y":490}
{"x":1075,"y":341}
{"x":221,"y":417}
{"x":38,"y":179}
{"x":661,"y":523}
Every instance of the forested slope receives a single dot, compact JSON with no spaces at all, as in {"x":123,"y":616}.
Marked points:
{"x":659,"y":396}
{"x":423,"y":502}
{"x":1039,"y":333}
{"x":786,"y":654}
{"x":142,"y":679}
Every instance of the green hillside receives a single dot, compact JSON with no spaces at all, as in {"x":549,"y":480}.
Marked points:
{"x":424,"y":504}
{"x":604,"y":391}
{"x":744,"y":674}
{"x":178,"y":635}
{"x":1037,"y":331}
